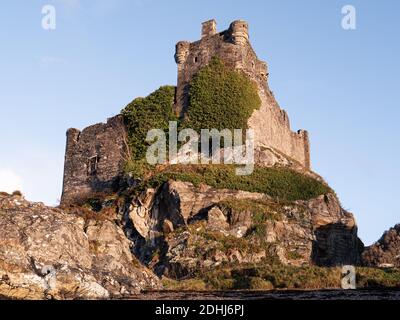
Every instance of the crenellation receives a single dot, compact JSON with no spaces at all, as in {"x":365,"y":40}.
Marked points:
{"x":73,"y":135}
{"x":182,"y":51}
{"x":271,"y":123}
{"x":95,"y":157}
{"x":239,"y":32}
{"x":209,"y":28}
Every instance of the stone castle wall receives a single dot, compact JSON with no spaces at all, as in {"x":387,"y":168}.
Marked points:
{"x":94,"y":159}
{"x":270,"y":123}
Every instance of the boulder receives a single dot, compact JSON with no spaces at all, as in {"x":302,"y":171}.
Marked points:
{"x":46,"y":253}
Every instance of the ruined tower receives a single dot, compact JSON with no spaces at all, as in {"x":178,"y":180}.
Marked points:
{"x":95,"y":157}
{"x":270,"y":123}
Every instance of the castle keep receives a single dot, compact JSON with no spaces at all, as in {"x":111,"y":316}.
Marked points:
{"x":270,"y":123}
{"x":94,"y":157}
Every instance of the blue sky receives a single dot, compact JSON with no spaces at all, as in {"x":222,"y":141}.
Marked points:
{"x":342,"y":86}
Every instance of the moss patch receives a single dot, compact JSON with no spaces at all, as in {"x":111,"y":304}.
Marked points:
{"x":144,"y":114}
{"x":281,"y":183}
{"x":221,"y":98}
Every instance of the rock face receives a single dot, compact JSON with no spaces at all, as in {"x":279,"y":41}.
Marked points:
{"x":192,"y":228}
{"x":178,"y":230}
{"x":335,"y":232}
{"x":385,"y":252}
{"x":177,"y":204}
{"x":46,"y":253}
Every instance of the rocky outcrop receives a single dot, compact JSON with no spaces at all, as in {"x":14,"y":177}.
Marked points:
{"x":181,"y":229}
{"x":178,"y":230}
{"x":47,"y":253}
{"x":385,"y":252}
{"x":177,"y":204}
{"x":335,"y":232}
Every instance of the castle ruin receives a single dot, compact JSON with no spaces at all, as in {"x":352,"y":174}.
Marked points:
{"x":270,"y":123}
{"x":95,"y":157}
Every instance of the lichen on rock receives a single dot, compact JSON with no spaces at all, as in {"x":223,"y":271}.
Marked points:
{"x":48,"y":253}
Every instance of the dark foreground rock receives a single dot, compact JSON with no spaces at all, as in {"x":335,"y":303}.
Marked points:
{"x":273,"y":295}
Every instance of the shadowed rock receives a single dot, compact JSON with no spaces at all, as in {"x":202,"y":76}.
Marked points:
{"x":386,"y":251}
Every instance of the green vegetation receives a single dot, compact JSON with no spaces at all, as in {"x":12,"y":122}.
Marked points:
{"x":184,"y":285}
{"x":144,"y":114}
{"x":378,"y":278}
{"x":221,"y":98}
{"x":281,"y":183}
{"x":138,"y":168}
{"x":205,"y":241}
{"x":293,"y":255}
{"x":266,"y":276}
{"x":269,"y":273}
{"x":226,"y":243}
{"x":261,"y":210}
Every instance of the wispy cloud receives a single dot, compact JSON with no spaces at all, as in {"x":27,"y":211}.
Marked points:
{"x":10,"y":181}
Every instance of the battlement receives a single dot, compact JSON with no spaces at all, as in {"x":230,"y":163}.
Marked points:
{"x":209,"y":28}
{"x":239,"y":32}
{"x":95,"y":157}
{"x":231,"y":45}
{"x":270,"y":123}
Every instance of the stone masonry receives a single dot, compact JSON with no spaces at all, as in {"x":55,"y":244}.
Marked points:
{"x":95,"y":157}
{"x":270,"y":123}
